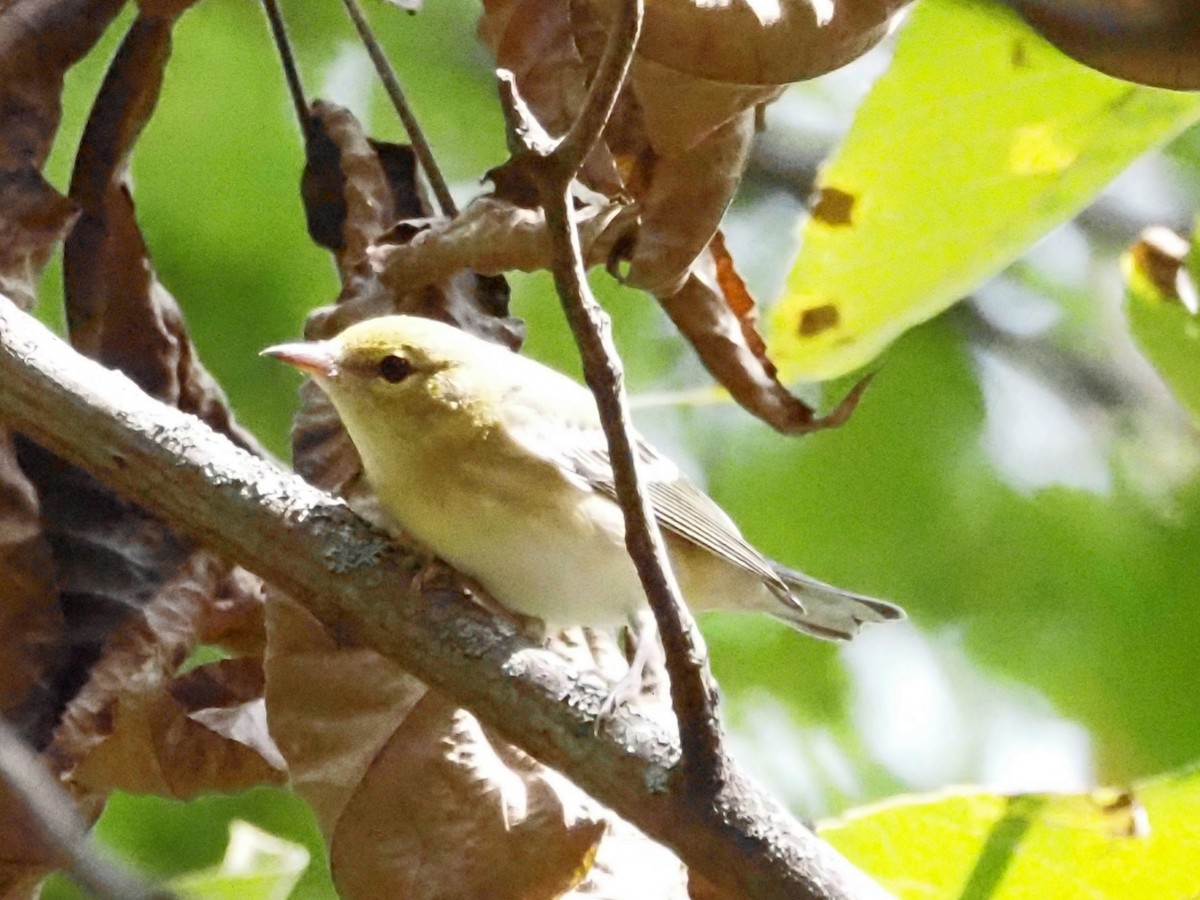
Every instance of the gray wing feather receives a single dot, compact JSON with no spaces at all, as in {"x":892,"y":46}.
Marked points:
{"x":680,"y":507}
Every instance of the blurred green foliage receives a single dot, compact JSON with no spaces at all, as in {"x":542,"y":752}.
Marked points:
{"x":1076,"y":601}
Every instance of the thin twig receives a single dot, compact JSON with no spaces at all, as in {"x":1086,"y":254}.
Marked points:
{"x":288,"y":59}
{"x":693,"y":692}
{"x":359,"y":585}
{"x":54,"y":812}
{"x":552,"y":166}
{"x":392,"y":85}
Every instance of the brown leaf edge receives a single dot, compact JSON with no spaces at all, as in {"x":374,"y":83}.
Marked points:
{"x":718,"y":316}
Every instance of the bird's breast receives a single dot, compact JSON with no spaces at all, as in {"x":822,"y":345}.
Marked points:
{"x":541,"y":544}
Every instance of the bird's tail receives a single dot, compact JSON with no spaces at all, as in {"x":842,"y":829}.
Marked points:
{"x":829,"y":612}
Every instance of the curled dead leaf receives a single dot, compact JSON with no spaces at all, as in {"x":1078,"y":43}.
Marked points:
{"x":119,"y":730}
{"x":676,"y":143}
{"x":117,"y":310}
{"x":717,"y":315}
{"x":761,"y":43}
{"x":540,"y":44}
{"x":158,"y":743}
{"x":684,"y":205}
{"x":39,"y":41}
{"x":354,"y":188}
{"x":331,"y":707}
{"x":34,"y":217}
{"x":492,"y":235}
{"x":110,"y":560}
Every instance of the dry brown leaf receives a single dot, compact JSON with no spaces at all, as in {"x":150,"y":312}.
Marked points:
{"x":33,"y":219}
{"x":135,"y":726}
{"x":117,"y":310}
{"x":684,"y":205}
{"x":122,"y":730}
{"x":675,"y":144}
{"x":761,"y":43}
{"x":110,"y":559}
{"x":39,"y":41}
{"x":535,"y":41}
{"x":717,"y":315}
{"x":443,"y":810}
{"x":354,"y":189}
{"x":492,"y":235}
{"x":31,"y":623}
{"x":364,"y":191}
{"x":679,"y":137}
{"x":1154,"y":42}
{"x":160,"y":743}
{"x":331,"y":708}
{"x":538,"y":43}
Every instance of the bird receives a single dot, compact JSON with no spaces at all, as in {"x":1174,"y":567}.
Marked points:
{"x":499,"y":465}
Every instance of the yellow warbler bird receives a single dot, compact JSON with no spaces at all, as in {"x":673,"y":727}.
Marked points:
{"x":499,"y":465}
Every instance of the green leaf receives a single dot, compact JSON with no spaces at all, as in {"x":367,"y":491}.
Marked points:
{"x":1166,"y":330}
{"x":978,"y":140}
{"x":257,"y":866}
{"x":1119,"y":844}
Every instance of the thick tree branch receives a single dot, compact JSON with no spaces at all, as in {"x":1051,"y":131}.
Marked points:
{"x":359,"y":584}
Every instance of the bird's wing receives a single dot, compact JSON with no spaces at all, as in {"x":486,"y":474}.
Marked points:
{"x":580,"y":452}
{"x":680,"y":507}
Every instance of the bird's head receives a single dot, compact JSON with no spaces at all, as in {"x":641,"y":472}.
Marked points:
{"x":390,"y":368}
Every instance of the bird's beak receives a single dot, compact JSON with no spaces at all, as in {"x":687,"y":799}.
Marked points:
{"x":315,"y":358}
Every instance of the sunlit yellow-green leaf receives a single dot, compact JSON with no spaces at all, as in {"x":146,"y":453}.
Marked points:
{"x":1160,"y":301}
{"x":978,"y":139}
{"x":1110,"y":844}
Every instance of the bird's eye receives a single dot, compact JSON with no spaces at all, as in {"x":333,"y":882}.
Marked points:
{"x":394,"y":369}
